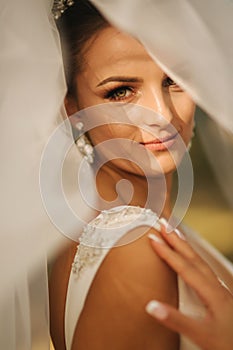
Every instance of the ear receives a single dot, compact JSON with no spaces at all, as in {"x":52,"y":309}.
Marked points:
{"x":71,"y":105}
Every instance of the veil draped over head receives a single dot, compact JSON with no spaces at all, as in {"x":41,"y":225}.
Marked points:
{"x":32,"y":89}
{"x":190,"y":40}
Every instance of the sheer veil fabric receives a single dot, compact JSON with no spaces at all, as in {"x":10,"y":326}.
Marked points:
{"x":32,"y":90}
{"x":32,"y":93}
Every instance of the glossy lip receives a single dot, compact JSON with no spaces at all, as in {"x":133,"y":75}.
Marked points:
{"x":160,"y":144}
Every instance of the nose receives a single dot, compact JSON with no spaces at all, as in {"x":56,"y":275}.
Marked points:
{"x":159,"y":103}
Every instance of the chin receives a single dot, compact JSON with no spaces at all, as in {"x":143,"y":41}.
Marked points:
{"x":166,"y":163}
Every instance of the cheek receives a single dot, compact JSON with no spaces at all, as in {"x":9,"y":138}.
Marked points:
{"x":185,"y":109}
{"x":123,"y":131}
{"x":107,"y":132}
{"x":188,"y":112}
{"x":99,"y":134}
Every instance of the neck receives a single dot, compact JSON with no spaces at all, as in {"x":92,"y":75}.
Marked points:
{"x":152,"y":192}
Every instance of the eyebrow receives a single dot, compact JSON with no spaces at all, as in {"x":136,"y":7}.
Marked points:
{"x":120,"y":79}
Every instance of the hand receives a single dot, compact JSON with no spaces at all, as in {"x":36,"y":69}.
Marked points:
{"x":215,"y":330}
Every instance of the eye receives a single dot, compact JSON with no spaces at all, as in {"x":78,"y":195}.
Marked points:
{"x":171,"y":85}
{"x":120,"y":93}
{"x":168,"y":82}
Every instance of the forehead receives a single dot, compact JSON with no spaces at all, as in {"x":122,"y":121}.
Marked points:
{"x":113,"y":49}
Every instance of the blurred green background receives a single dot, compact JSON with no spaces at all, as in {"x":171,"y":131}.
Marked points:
{"x":210,"y":212}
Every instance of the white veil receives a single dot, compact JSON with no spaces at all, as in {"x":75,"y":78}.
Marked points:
{"x":32,"y":87}
{"x":32,"y":91}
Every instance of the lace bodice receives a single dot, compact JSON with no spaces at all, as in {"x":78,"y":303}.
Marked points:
{"x":106,"y":229}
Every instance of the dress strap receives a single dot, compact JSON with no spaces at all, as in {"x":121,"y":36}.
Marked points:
{"x":97,"y":239}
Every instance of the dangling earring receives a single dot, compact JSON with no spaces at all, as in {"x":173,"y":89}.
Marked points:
{"x":84,"y":145}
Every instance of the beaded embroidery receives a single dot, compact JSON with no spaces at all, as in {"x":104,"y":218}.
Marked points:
{"x":105,"y":230}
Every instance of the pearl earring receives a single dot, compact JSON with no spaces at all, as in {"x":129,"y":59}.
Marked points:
{"x":84,"y":145}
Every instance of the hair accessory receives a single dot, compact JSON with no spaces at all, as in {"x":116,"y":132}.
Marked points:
{"x":59,"y":7}
{"x":84,"y":145}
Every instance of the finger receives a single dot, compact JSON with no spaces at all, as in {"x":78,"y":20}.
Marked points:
{"x":204,"y":287}
{"x":178,"y":322}
{"x":177,"y":240}
{"x":179,"y":244}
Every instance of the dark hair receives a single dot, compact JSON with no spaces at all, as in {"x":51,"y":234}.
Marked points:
{"x":78,"y":24}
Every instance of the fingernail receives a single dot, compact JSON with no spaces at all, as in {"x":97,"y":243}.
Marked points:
{"x":154,"y":238}
{"x":169,"y":228}
{"x":165,"y":223}
{"x":156,"y":309}
{"x":180,"y":234}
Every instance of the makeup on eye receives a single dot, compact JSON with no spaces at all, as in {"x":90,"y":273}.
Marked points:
{"x":169,"y":83}
{"x":123,"y":88}
{"x":119,"y":88}
{"x":120,"y":79}
{"x":120,"y":93}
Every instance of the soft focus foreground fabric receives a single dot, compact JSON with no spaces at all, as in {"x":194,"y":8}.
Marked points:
{"x":31,"y":92}
{"x":34,"y":183}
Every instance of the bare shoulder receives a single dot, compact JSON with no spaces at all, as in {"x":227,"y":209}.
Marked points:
{"x":114,"y":315}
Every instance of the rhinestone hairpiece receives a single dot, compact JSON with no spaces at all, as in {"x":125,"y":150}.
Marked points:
{"x":59,"y":7}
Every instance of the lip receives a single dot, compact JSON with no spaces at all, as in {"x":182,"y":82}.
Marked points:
{"x":160,"y":144}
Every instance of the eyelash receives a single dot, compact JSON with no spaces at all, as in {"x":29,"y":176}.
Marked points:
{"x":111,"y":95}
{"x":168,"y":82}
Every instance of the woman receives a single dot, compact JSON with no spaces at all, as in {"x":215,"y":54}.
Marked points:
{"x":102,"y":300}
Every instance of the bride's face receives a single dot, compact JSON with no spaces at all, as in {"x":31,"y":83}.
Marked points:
{"x":116,"y":69}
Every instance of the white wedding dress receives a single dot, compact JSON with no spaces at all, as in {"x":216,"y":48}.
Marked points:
{"x":95,"y":243}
